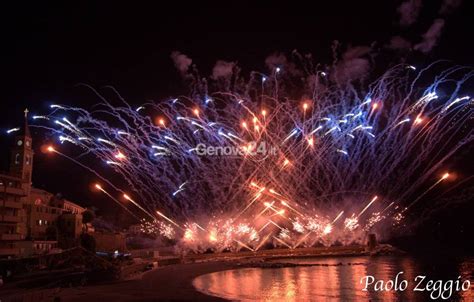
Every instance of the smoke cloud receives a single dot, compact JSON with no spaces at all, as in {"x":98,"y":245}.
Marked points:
{"x":409,"y":11}
{"x":222,"y":69}
{"x":399,"y":43}
{"x":280,"y":60}
{"x":449,"y":6}
{"x":353,"y":65}
{"x":181,"y":61}
{"x":431,"y":37}
{"x":276,"y":60}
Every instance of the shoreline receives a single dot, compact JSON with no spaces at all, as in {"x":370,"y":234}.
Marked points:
{"x":174,"y":282}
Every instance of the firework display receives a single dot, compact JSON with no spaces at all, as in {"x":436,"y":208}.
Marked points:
{"x":251,"y":163}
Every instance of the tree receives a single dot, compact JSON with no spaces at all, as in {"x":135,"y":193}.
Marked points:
{"x":65,"y":238}
{"x":87,"y":217}
{"x":88,"y":242}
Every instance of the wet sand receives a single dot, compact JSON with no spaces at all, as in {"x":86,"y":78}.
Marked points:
{"x":169,"y":283}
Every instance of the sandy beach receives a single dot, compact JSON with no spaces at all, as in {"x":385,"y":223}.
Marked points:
{"x":162,"y":284}
{"x":167,"y":283}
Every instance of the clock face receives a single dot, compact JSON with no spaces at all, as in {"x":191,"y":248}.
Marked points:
{"x":20,"y":142}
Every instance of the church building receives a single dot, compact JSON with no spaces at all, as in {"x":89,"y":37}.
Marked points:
{"x":33,"y":221}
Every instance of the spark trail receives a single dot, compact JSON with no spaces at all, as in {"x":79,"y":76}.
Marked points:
{"x":211,"y":157}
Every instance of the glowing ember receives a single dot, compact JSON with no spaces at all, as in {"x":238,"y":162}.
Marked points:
{"x":351,"y":223}
{"x":327,"y":229}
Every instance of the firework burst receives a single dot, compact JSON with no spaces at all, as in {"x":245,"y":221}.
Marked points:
{"x":259,"y":163}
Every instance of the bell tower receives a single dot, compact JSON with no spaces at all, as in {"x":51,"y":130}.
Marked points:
{"x":21,"y":163}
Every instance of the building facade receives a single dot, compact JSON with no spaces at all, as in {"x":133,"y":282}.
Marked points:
{"x":12,"y":215}
{"x":33,"y":221}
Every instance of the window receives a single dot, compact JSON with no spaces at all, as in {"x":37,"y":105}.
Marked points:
{"x":39,"y":222}
{"x":27,"y":160}
{"x":17,"y":158}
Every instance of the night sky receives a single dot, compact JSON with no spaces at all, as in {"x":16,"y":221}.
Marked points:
{"x":47,"y":50}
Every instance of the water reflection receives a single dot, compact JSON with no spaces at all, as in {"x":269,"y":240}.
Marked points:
{"x":331,"y":279}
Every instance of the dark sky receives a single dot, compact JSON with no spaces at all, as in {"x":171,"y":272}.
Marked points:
{"x":47,"y":49}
